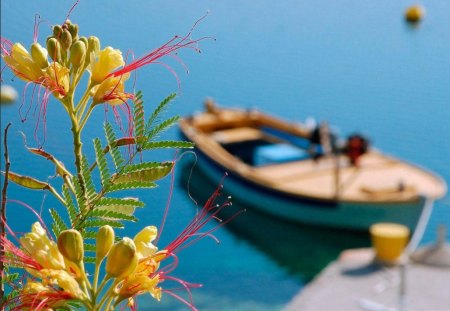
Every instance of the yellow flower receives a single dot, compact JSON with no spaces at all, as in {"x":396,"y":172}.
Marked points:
{"x":57,"y":79}
{"x":139,"y":284}
{"x":104,"y":242}
{"x":36,"y":294}
{"x":63,"y":280}
{"x":112,"y":91}
{"x":122,"y":259}
{"x":70,"y":244}
{"x":107,"y":60}
{"x":143,"y":241}
{"x":42,"y":249}
{"x":150,"y":265}
{"x":23,"y":65}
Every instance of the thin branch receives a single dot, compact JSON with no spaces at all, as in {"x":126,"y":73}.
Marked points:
{"x":3,"y":210}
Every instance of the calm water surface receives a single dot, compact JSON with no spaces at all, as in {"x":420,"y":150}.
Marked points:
{"x":353,"y":63}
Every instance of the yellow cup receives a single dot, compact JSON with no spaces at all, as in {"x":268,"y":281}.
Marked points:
{"x":389,"y":240}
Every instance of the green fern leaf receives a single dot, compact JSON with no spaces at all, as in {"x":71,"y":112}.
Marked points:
{"x":131,"y":185}
{"x":82,"y":204}
{"x":167,"y":144}
{"x":89,"y":234}
{"x":139,"y":166}
{"x":161,"y":107}
{"x":122,"y":209}
{"x":71,"y":208}
{"x":89,"y":259}
{"x":101,"y":163}
{"x":144,"y":172}
{"x":88,"y":247}
{"x":10,"y":278}
{"x":109,"y":212}
{"x":114,"y":151}
{"x":138,"y":116}
{"x":86,"y":173}
{"x":158,"y":129}
{"x":58,"y":224}
{"x":116,"y":201}
{"x":96,"y":223}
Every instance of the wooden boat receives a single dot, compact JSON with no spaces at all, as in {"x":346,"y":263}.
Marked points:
{"x":271,"y":167}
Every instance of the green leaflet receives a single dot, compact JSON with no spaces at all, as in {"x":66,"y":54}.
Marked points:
{"x":86,"y":174}
{"x":88,"y":247}
{"x":138,"y":116}
{"x":89,"y":234}
{"x":162,"y":127}
{"x":168,"y":144}
{"x":27,"y":181}
{"x":89,"y":259}
{"x":71,"y":208}
{"x":131,"y":185}
{"x":145,"y":174}
{"x":58,"y":224}
{"x":82,"y":204}
{"x":96,"y":223}
{"x":114,"y":151}
{"x":101,"y":163}
{"x":116,"y":212}
{"x":161,"y":107}
{"x":119,"y":209}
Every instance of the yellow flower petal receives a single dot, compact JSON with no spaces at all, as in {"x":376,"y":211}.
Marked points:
{"x":112,"y":91}
{"x":107,"y":60}
{"x":57,"y":79}
{"x":42,"y":249}
{"x":23,"y":65}
{"x":143,"y":241}
{"x":64,"y":280}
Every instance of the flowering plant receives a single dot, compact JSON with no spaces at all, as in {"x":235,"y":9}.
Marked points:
{"x":56,"y":274}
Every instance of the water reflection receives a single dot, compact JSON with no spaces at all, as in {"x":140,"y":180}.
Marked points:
{"x":302,"y":250}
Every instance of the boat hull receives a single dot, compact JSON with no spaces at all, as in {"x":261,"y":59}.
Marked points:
{"x":345,"y":215}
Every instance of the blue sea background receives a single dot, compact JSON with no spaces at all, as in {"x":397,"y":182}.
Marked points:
{"x":356,"y":64}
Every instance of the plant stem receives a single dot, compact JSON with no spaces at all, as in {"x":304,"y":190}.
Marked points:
{"x":96,"y":273}
{"x":108,"y":305}
{"x":86,"y":116}
{"x":3,"y":211}
{"x":79,"y":109}
{"x":107,"y":294}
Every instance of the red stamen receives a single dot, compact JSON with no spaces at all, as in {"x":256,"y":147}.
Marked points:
{"x":70,"y":11}
{"x":36,"y":27}
{"x":169,"y":48}
{"x":166,"y":210}
{"x":190,"y":306}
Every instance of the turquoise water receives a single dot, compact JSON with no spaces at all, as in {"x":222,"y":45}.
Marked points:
{"x":353,"y":63}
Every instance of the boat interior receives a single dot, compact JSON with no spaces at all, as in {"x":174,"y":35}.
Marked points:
{"x":280,"y":155}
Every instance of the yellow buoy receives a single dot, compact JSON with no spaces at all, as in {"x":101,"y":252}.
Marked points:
{"x":389,"y":240}
{"x":414,"y":13}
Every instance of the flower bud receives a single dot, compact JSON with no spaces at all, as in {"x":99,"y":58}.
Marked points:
{"x":104,"y":242}
{"x":54,"y":49}
{"x":39,"y":55}
{"x":122,"y":259}
{"x":93,"y":46}
{"x":85,"y":40}
{"x":73,"y":29}
{"x":57,"y":31}
{"x":65,"y":39}
{"x":70,"y":244}
{"x":77,"y":53}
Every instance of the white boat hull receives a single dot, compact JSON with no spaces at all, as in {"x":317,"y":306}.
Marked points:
{"x":347,"y":215}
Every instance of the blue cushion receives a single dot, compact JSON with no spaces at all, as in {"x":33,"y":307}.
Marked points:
{"x":278,"y":153}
